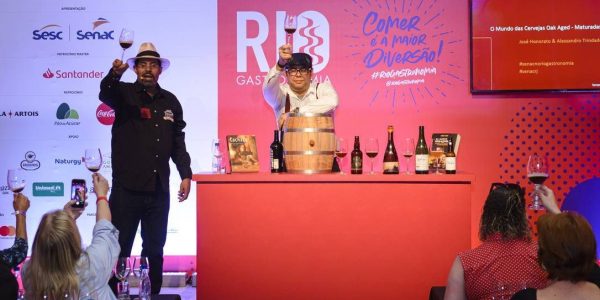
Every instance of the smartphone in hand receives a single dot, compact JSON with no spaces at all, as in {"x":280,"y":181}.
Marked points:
{"x":76,"y":186}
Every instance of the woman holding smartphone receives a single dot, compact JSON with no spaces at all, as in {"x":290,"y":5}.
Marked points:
{"x":59,"y":266}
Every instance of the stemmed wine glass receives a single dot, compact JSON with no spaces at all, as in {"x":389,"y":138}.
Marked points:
{"x":371,"y":149}
{"x":537,"y":172}
{"x":138,"y":265}
{"x":15,"y":180}
{"x":125,"y":40}
{"x":122,"y":270}
{"x":435,"y":156}
{"x":408,"y":151}
{"x":290,"y":24}
{"x":341,"y":150}
{"x":93,"y":159}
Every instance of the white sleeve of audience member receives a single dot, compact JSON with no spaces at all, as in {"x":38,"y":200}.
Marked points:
{"x":327,"y":100}
{"x":104,"y":250}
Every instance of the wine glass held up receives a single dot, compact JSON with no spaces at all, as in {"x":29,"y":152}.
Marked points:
{"x":408,"y":151}
{"x":15,"y":180}
{"x":372,"y":149}
{"x":93,"y":159}
{"x":537,"y":172}
{"x":290,"y":24}
{"x":341,"y":150}
{"x":125,"y":40}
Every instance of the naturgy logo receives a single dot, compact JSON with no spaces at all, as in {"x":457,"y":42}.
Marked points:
{"x":48,"y":32}
{"x":311,"y":37}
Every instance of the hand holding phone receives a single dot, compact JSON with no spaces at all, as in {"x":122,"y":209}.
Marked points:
{"x":78,"y":193}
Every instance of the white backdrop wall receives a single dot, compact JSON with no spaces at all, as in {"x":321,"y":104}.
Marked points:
{"x":47,"y":62}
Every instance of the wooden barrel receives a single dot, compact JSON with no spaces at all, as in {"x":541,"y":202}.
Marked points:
{"x":309,"y":143}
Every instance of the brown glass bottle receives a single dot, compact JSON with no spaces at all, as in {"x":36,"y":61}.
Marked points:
{"x":356,"y":156}
{"x":390,"y":157}
{"x":422,"y":153}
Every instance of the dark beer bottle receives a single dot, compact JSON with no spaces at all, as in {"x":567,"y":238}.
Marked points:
{"x":450,"y":158}
{"x":390,"y":157}
{"x":276,"y":153}
{"x":356,"y":158}
{"x":422,"y":153}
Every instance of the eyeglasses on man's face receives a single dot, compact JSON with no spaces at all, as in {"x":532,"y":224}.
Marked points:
{"x":294,"y":72}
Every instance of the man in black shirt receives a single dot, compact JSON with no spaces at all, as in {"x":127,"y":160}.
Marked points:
{"x":147,"y":132}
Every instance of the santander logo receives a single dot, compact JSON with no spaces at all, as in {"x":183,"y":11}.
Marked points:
{"x":7,"y":230}
{"x":48,"y":74}
{"x":105,"y":114}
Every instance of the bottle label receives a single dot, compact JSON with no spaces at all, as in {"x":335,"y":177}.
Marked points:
{"x":450,"y":163}
{"x":275,"y":163}
{"x":356,"y":163}
{"x":390,"y":167}
{"x":422,"y":162}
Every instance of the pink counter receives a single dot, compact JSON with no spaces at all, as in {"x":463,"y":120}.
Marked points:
{"x":331,"y":236}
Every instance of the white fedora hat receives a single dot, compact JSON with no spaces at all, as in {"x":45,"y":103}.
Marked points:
{"x":147,"y":50}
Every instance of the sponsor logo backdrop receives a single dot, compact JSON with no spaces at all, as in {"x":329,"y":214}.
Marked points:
{"x":55,"y":55}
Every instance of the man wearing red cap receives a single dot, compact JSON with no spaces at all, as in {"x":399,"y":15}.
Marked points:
{"x":146,"y":134}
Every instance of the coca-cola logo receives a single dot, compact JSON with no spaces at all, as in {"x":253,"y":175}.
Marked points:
{"x":7,"y":230}
{"x":105,"y":114}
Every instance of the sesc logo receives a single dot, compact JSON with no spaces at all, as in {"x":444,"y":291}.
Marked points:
{"x":311,"y":36}
{"x":105,"y":114}
{"x":96,"y":34}
{"x":48,"y":32}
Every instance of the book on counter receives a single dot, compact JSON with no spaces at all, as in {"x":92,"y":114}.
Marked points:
{"x":439,"y":147}
{"x":243,"y":155}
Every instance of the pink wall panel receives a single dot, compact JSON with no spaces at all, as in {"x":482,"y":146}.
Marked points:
{"x":489,"y":125}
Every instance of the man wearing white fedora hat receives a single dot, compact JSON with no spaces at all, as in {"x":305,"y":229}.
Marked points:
{"x":147,"y":132}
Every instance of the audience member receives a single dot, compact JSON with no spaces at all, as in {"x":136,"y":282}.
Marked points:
{"x":58,"y":265}
{"x":506,"y":261}
{"x":567,"y":251}
{"x":13,"y":256}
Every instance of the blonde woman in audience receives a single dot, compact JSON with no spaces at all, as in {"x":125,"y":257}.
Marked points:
{"x":59,"y":267}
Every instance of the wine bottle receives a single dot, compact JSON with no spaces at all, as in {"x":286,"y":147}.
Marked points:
{"x":276,"y":153}
{"x":356,"y":158}
{"x":390,"y":157}
{"x":450,"y":158}
{"x":422,"y":153}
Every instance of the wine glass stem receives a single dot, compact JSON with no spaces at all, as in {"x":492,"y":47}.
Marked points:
{"x":122,"y":55}
{"x":536,"y":198}
{"x":407,"y":162}
{"x":288,"y":39}
{"x":372,"y":172}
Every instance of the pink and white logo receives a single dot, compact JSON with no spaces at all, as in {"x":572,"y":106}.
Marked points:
{"x":311,"y":36}
{"x":105,"y":114}
{"x":48,"y":74}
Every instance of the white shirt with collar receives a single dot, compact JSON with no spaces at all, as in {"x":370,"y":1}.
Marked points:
{"x":321,"y":99}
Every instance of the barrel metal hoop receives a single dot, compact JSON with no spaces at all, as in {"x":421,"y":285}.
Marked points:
{"x":309,"y":171}
{"x":328,"y":130}
{"x":309,"y":152}
{"x":308,"y":115}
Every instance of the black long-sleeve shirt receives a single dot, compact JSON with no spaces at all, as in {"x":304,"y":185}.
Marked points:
{"x":147,"y":132}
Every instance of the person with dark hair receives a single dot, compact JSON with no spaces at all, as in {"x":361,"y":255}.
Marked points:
{"x":146,"y":135}
{"x":506,"y":261}
{"x":299,"y":93}
{"x":567,"y":251}
{"x":13,"y":256}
